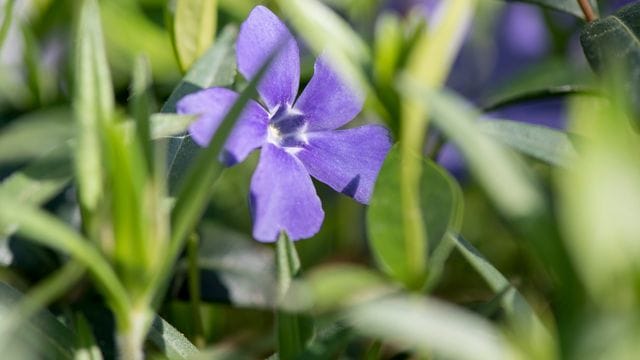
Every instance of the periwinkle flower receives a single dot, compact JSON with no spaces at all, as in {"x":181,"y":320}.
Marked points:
{"x":298,"y":137}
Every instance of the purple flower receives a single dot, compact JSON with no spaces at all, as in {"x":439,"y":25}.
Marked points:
{"x":298,"y":137}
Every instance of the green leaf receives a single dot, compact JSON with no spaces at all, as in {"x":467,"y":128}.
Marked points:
{"x":194,"y":28}
{"x":92,"y":101}
{"x":36,"y":183}
{"x":613,"y":44}
{"x":495,"y":167}
{"x":428,"y":326}
{"x":6,"y":21}
{"x":48,"y":128}
{"x":569,"y":6}
{"x":45,"y":229}
{"x":552,"y":78}
{"x":42,"y":336}
{"x":549,"y":145}
{"x":172,"y":343}
{"x":217,"y":67}
{"x":521,"y":316}
{"x":441,"y":203}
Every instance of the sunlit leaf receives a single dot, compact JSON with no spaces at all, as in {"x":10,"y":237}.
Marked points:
{"x":93,"y":102}
{"x":36,"y":183}
{"x":193,"y":29}
{"x":35,"y":134}
{"x":167,"y":125}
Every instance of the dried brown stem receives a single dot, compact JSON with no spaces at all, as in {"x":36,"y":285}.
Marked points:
{"x":589,"y":14}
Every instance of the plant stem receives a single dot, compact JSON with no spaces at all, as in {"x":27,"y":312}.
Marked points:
{"x":194,"y":291}
{"x":132,"y":334}
{"x":589,"y":14}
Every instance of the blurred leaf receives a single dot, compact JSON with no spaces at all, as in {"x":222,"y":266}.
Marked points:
{"x":338,"y":286}
{"x":549,"y":78}
{"x":172,"y":343}
{"x":569,"y":6}
{"x":36,"y":183}
{"x":429,"y":326}
{"x":141,"y":104}
{"x":389,"y":39}
{"x":6,"y":21}
{"x":93,"y":103}
{"x":520,"y":315}
{"x":34,"y":134}
{"x":86,"y":346}
{"x":41,"y":337}
{"x":235,"y":269}
{"x":495,"y":167}
{"x":321,"y":25}
{"x":441,"y":203}
{"x":194,"y":29}
{"x":217,"y":67}
{"x":617,"y":34}
{"x":45,"y":229}
{"x":599,"y":197}
{"x":327,"y":343}
{"x":165,"y":125}
{"x":130,"y":32}
{"x":549,"y":145}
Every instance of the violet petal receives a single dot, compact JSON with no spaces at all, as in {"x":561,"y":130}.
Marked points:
{"x":347,"y":160}
{"x":327,"y":101}
{"x":283,"y":197}
{"x":212,"y":105}
{"x":261,"y":34}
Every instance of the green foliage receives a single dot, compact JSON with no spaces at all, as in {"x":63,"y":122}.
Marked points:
{"x":194,"y":27}
{"x":441,"y":203}
{"x":102,"y":193}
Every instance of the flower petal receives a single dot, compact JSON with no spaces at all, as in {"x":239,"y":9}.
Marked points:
{"x":327,"y":101}
{"x":347,"y":160}
{"x":212,"y":105}
{"x":283,"y":197}
{"x":261,"y":34}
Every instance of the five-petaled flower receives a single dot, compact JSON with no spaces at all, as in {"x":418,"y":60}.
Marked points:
{"x":298,"y":137}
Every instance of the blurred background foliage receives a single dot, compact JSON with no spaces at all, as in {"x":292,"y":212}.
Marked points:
{"x":518,"y":61}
